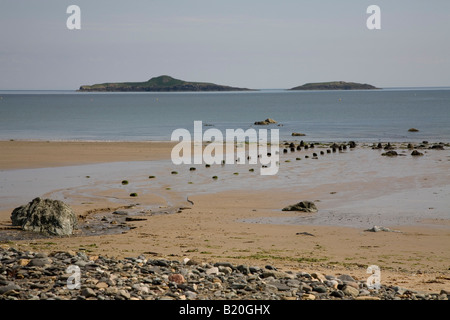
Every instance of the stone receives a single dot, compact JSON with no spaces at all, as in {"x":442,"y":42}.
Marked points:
{"x":23,"y":262}
{"x":413,"y":130}
{"x":416,"y":153}
{"x":101,"y":285}
{"x":177,"y":278}
{"x":124,"y":293}
{"x":8,"y":288}
{"x":280,"y":286}
{"x":47,"y":216}
{"x":243,"y":269}
{"x":212,"y":270}
{"x":308,"y":296}
{"x":40,"y":262}
{"x":223,"y":264}
{"x":337,"y":294}
{"x":320,"y":289}
{"x":350,"y":291}
{"x":304,"y":206}
{"x":298,"y":134}
{"x":238,"y":285}
{"x":88,"y":292}
{"x":225,"y":270}
{"x":352,"y":144}
{"x":319,"y":276}
{"x":265,"y":122}
{"x":190,"y":295}
{"x":346,"y":277}
{"x":305,"y":287}
{"x":390,"y":153}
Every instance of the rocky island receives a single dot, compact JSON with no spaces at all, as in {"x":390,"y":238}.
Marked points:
{"x":158,"y":84}
{"x":335,"y":85}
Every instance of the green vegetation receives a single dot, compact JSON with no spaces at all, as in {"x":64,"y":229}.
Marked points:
{"x":124,"y":182}
{"x":151,"y":177}
{"x":133,"y":194}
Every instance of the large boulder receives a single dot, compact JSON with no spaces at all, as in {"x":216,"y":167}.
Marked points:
{"x":304,"y":206}
{"x":52,"y":217}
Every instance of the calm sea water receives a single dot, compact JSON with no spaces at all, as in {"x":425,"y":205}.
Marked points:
{"x":372,"y":115}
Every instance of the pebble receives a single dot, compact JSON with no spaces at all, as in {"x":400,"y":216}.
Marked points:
{"x":351,"y":291}
{"x":22,"y":277}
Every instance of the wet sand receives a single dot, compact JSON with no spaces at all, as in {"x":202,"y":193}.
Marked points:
{"x":238,"y":217}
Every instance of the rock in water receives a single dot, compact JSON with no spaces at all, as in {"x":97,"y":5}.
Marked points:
{"x":390,"y":153}
{"x":47,"y":216}
{"x":265,"y":122}
{"x":416,"y":153}
{"x":305,"y":206}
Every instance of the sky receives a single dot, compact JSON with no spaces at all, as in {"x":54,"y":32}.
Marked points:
{"x":255,"y":44}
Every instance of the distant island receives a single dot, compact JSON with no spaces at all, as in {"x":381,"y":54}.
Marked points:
{"x":335,"y":85}
{"x":158,"y":84}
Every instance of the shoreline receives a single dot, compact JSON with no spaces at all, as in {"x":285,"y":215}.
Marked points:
{"x":212,"y":229}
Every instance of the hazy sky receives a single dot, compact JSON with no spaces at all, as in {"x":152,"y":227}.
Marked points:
{"x":246,"y":43}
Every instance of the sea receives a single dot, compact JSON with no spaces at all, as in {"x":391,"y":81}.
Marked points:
{"x":383,"y":115}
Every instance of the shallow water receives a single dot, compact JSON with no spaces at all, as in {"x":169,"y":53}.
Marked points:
{"x":362,"y":187}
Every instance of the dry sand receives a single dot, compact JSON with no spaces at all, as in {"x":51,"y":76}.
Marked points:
{"x":212,"y":229}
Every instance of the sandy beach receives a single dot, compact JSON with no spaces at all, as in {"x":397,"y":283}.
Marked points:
{"x":238,"y":218}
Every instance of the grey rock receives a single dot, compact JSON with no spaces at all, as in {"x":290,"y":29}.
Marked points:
{"x":337,"y":294}
{"x":390,"y":153}
{"x":281,"y":286}
{"x":350,"y":291}
{"x":121,"y":213}
{"x":223,"y":264}
{"x":364,"y":292}
{"x":243,"y":269}
{"x":293,"y":283}
{"x":238,"y":285}
{"x":212,"y":270}
{"x":40,"y":262}
{"x":124,"y":293}
{"x":254,"y":269}
{"x":225,"y":270}
{"x":190,"y":295}
{"x":9,"y":287}
{"x":88,"y":292}
{"x":320,"y":289}
{"x":47,"y":216}
{"x":346,"y":277}
{"x":303,"y":206}
{"x":305,"y":287}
